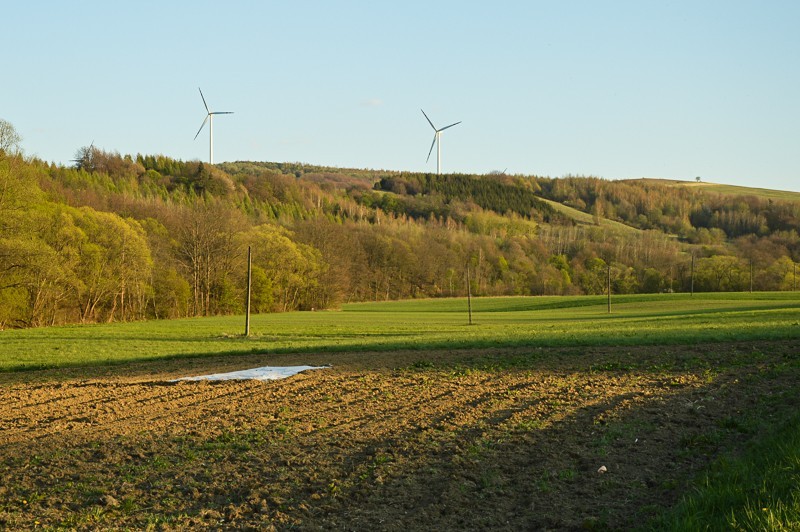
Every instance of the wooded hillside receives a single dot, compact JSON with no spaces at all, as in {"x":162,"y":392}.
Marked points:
{"x":131,"y":237}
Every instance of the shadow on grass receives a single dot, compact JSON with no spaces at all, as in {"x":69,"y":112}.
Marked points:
{"x":330,"y":352}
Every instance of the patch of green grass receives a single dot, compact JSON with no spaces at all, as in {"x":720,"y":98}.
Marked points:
{"x":489,"y":479}
{"x":757,"y":490}
{"x":422,"y":365}
{"x":740,"y":424}
{"x":568,"y":474}
{"x":129,"y":505}
{"x":531,"y":425}
{"x":419,"y":325}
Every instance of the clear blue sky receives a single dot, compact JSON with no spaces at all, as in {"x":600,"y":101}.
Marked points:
{"x":615,"y":89}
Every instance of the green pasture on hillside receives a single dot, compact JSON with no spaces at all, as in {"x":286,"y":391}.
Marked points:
{"x":784,"y":195}
{"x":731,"y":190}
{"x":584,"y":218}
{"x":419,"y":324}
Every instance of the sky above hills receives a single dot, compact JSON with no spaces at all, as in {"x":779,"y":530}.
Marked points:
{"x":618,"y":89}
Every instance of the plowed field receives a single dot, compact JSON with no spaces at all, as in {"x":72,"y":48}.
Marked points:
{"x":504,"y":439}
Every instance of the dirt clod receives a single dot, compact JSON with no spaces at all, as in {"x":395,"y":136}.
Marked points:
{"x":109,"y":500}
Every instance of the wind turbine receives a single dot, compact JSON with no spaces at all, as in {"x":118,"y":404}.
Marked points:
{"x":209,"y":118}
{"x":437,"y":141}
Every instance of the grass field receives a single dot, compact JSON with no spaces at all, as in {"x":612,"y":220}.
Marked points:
{"x":734,"y":190}
{"x":689,"y":403}
{"x":423,"y":324}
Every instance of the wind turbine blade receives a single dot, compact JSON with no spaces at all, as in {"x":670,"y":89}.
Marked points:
{"x":221,"y":113}
{"x":201,"y":126}
{"x":431,"y":150}
{"x":204,"y":100}
{"x":429,"y":120}
{"x":451,"y":125}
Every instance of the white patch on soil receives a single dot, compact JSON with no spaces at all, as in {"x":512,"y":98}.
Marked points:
{"x":266,"y":373}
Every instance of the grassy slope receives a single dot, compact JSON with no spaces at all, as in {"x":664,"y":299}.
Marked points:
{"x":733,"y":190}
{"x":420,"y":324}
{"x":749,"y":191}
{"x":583,"y":218}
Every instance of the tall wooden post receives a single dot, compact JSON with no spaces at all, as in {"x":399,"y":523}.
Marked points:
{"x":469,"y":297}
{"x":608,"y":287}
{"x":692,"y":277}
{"x":249,"y":284}
{"x":751,"y":276}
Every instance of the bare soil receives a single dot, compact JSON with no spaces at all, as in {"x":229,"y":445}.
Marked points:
{"x":507,"y":439}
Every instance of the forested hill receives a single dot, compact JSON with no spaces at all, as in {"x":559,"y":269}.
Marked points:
{"x":130,"y":237}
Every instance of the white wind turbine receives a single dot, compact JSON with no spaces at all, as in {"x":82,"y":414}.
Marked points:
{"x":209,"y":118}
{"x":437,"y":141}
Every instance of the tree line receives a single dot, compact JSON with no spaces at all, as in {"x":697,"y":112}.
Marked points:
{"x":121,"y":237}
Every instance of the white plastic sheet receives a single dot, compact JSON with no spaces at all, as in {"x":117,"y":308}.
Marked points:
{"x":266,"y":373}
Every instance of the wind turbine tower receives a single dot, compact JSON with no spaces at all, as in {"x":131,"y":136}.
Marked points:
{"x":438,"y":142}
{"x":210,"y":119}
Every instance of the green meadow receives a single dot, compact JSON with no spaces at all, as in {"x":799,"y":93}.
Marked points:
{"x":419,"y":325}
{"x":783,"y":195}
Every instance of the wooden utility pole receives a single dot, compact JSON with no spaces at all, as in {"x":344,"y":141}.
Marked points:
{"x":469,"y":297}
{"x":247,"y":302}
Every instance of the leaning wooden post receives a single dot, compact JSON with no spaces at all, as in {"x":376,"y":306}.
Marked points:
{"x":469,"y":297}
{"x":247,"y":303}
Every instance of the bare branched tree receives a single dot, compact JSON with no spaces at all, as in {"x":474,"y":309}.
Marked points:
{"x":9,"y":138}
{"x":85,"y":158}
